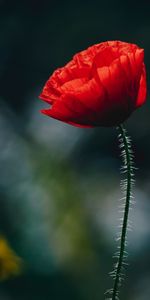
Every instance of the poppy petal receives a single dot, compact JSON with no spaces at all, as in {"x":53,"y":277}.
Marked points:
{"x":142,"y":89}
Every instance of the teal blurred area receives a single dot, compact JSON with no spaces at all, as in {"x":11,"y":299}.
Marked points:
{"x":59,"y":185}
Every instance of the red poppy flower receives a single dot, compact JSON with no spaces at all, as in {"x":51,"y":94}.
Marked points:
{"x":100,"y":86}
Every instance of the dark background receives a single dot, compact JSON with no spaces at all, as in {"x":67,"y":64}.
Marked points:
{"x":59,"y":185}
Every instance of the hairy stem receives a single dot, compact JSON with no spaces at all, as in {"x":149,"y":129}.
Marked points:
{"x":127,"y":168}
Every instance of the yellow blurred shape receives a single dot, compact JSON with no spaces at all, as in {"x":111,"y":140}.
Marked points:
{"x":10,"y":263}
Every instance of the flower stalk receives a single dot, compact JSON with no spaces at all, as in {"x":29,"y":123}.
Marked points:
{"x":126,"y":185}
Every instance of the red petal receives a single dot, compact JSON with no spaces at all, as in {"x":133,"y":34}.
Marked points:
{"x":105,"y":57}
{"x":142,"y":88}
{"x":89,"y":95}
{"x":78,"y":106}
{"x":116,"y":106}
{"x":73,"y":85}
{"x":62,"y":112}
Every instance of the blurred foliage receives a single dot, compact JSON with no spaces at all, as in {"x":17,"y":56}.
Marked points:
{"x":10,"y":264}
{"x":59,"y":185}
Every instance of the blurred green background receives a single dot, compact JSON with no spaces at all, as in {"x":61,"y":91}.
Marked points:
{"x":59,"y":185}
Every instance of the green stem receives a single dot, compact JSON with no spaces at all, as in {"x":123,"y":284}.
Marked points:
{"x":128,"y":169}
